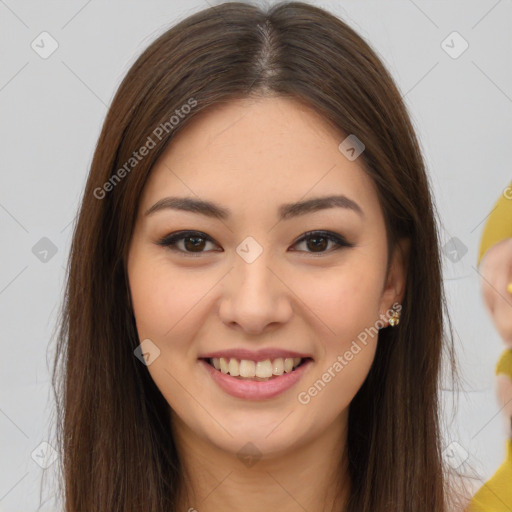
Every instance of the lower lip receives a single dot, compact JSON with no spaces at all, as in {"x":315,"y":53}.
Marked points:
{"x":256,"y":390}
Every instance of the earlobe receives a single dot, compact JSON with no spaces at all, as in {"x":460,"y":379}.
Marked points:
{"x":396,"y":280}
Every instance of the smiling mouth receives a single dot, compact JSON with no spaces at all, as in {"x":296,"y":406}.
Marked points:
{"x":245,"y":369}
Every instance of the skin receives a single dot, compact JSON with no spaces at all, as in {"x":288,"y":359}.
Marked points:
{"x":496,"y":273}
{"x":250,"y":156}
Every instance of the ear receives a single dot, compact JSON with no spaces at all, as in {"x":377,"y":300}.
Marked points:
{"x":128,"y":293}
{"x":396,"y":279}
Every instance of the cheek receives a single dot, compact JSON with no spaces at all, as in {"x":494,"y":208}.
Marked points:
{"x":346,"y":305}
{"x":342,"y":377}
{"x":346,"y":299}
{"x":349,"y":309}
{"x":164,"y":297}
{"x":166,"y":304}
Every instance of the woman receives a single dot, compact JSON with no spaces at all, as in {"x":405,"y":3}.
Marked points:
{"x":494,"y":257}
{"x":254,"y":313}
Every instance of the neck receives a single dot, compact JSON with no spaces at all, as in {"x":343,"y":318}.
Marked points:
{"x":312,"y":475}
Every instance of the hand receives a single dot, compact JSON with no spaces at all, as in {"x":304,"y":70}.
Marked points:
{"x":504,"y":393}
{"x":496,"y":274}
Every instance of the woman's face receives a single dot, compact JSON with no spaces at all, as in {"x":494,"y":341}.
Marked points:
{"x":246,"y":284}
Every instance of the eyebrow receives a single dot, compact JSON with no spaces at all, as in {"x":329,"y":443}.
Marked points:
{"x":286,"y":211}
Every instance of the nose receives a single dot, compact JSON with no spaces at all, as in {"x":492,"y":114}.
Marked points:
{"x":255,"y":297}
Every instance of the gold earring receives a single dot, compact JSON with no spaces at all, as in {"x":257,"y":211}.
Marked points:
{"x":395,"y":317}
{"x":509,"y":288}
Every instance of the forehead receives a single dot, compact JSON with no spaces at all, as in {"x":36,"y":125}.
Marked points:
{"x":259,"y":151}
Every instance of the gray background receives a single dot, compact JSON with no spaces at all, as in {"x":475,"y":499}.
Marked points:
{"x":51,"y":113}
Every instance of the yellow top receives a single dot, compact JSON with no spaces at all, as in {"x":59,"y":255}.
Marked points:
{"x":505,"y":364}
{"x":499,"y":223}
{"x":496,"y":494}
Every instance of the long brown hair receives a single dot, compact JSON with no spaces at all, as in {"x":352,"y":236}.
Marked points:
{"x":113,"y":422}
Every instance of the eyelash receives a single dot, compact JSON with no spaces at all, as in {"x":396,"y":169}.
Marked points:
{"x":170,"y":241}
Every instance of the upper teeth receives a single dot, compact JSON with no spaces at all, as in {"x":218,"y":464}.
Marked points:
{"x":246,"y":368}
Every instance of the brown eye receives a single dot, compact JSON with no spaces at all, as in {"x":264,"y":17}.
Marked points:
{"x":318,"y":241}
{"x":187,"y":242}
{"x":194,"y":244}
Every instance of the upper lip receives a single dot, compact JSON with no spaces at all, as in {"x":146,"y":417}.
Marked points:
{"x":254,"y":355}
